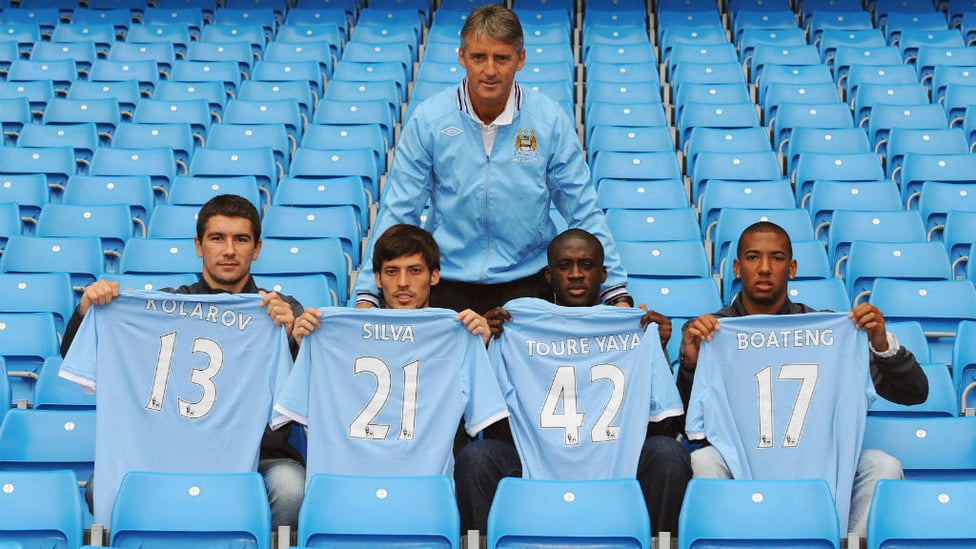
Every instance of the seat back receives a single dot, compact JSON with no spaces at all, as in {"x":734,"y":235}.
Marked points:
{"x":758,"y":513}
{"x":921,"y":514}
{"x":191,"y":510}
{"x":562,"y":513}
{"x":41,"y":509}
{"x":379,"y":511}
{"x":929,"y":448}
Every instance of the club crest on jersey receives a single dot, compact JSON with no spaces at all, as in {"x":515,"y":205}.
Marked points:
{"x":525,"y":143}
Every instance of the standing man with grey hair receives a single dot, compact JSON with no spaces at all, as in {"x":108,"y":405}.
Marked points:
{"x":489,"y":158}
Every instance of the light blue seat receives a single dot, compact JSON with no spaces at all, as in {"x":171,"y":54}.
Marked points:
{"x":926,"y":141}
{"x":324,"y":256}
{"x":160,"y":256}
{"x":941,"y":400}
{"x":848,"y":226}
{"x":929,"y":448}
{"x":52,"y":392}
{"x":652,"y":225}
{"x":172,"y":221}
{"x":82,"y":137}
{"x":259,"y":133}
{"x":310,"y":290}
{"x":191,"y":510}
{"x":758,"y":513}
{"x":939,"y":305}
{"x":318,"y":222}
{"x":733,"y":166}
{"x":81,"y":257}
{"x":49,"y":440}
{"x":56,"y":163}
{"x":196,"y":191}
{"x":38,"y":293}
{"x":918,"y":168}
{"x":790,"y":116}
{"x":257,"y":161}
{"x":159,"y":164}
{"x":820,"y":293}
{"x":143,"y":71}
{"x":634,"y":166}
{"x":195,"y":112}
{"x":647,"y":195}
{"x":350,"y":511}
{"x":134,"y":190}
{"x":562,"y":513}
{"x":41,"y":509}
{"x":327,"y":163}
{"x":957,"y":236}
{"x":742,"y":140}
{"x":964,"y":364}
{"x":827,"y":196}
{"x":840,"y":166}
{"x":151,"y":281}
{"x":664,"y":259}
{"x":332,"y":191}
{"x":921,"y":514}
{"x":723,"y":193}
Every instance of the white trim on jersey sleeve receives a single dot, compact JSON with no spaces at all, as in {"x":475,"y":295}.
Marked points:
{"x":665,"y":414}
{"x":697,"y":435}
{"x":473,"y":430}
{"x":87,"y":385}
{"x":284,"y":415}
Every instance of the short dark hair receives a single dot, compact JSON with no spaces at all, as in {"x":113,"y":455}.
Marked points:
{"x":229,"y":205}
{"x":493,"y":21}
{"x":764,"y":227}
{"x":403,"y":240}
{"x":569,"y":234}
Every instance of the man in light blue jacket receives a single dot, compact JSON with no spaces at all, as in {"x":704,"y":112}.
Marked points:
{"x":489,"y":158}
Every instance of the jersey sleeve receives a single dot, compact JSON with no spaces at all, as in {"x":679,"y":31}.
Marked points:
{"x":485,"y":404}
{"x":78,"y":365}
{"x":291,"y":392}
{"x":695,"y":417}
{"x":665,"y":400}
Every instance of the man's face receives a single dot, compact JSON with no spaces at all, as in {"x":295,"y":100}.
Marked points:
{"x":576,"y":273}
{"x":491,"y":66}
{"x":765,"y":268}
{"x":406,"y":281}
{"x":228,"y":247}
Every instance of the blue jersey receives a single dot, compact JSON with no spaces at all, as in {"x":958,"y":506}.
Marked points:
{"x":581,"y":383}
{"x":382,"y":391}
{"x":785,"y":397}
{"x":185,"y":383}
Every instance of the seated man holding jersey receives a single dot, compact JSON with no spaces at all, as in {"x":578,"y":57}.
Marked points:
{"x":556,"y":428}
{"x":779,"y":396}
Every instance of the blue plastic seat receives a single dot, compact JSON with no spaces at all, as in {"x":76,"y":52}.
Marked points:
{"x":868,"y":260}
{"x":49,"y":440}
{"x":774,"y":54}
{"x":151,"y":281}
{"x":135,"y":191}
{"x":341,"y":137}
{"x":652,"y":225}
{"x":159,"y":164}
{"x":750,"y":37}
{"x":104,"y":113}
{"x":722,"y":193}
{"x":678,"y":298}
{"x":790,"y":116}
{"x":642,"y":114}
{"x":211,"y":92}
{"x":664,"y":259}
{"x":327,"y":163}
{"x":848,"y":226}
{"x":356,"y":112}
{"x":289,"y":52}
{"x":306,"y":71}
{"x":937,"y":199}
{"x":160,"y":256}
{"x":648,"y":195}
{"x":779,"y":93}
{"x":225,"y":72}
{"x":317,"y":222}
{"x":562,"y":513}
{"x":178,"y":135}
{"x":252,"y":33}
{"x":113,"y":224}
{"x":41,"y":508}
{"x":375,"y":511}
{"x":728,"y":140}
{"x":27,"y":340}
{"x":815,"y":166}
{"x":38,"y":293}
{"x":921,"y":514}
{"x":57,"y":164}
{"x":240,"y":51}
{"x":822,"y":140}
{"x":311,"y":290}
{"x":81,"y":137}
{"x":827,"y":196}
{"x":196,"y":191}
{"x":919,"y":168}
{"x":939,"y":305}
{"x":830,"y":39}
{"x":800,"y":74}
{"x":733,"y":166}
{"x":333,"y":191}
{"x":926,"y":141}
{"x":195,"y":112}
{"x":930,"y":57}
{"x":846,"y":57}
{"x":957,"y":236}
{"x":758,"y":513}
{"x":964,"y":365}
{"x":187,"y":14}
{"x":940,"y":402}
{"x":886,"y":117}
{"x":258,"y":162}
{"x":257,"y":134}
{"x":173,"y":221}
{"x":322,"y":256}
{"x":284,"y":112}
{"x":102,"y":34}
{"x":820,"y":293}
{"x":52,"y":392}
{"x":634,"y":166}
{"x":83,"y":53}
{"x":929,"y":448}
{"x":192,"y":510}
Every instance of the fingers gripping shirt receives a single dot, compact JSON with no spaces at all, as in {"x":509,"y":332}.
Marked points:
{"x":382,"y":390}
{"x":581,"y":383}
{"x":185,"y":383}
{"x":785,"y":397}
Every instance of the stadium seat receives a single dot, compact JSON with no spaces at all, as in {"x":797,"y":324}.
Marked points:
{"x":113,"y":224}
{"x":886,"y":117}
{"x":211,"y":92}
{"x":303,"y":257}
{"x":49,"y":440}
{"x":941,"y":400}
{"x":82,"y":137}
{"x":918,"y":168}
{"x":29,"y":191}
{"x":957,"y":236}
{"x":926,"y":141}
{"x":307,"y":71}
{"x":239,"y":51}
{"x":653,"y":225}
{"x":319,"y":222}
{"x":775,"y":54}
{"x":827,"y":196}
{"x":938,"y":305}
{"x":102,"y":34}
{"x":790,"y":116}
{"x":714,"y":115}
{"x":310,"y":290}
{"x":869,"y":260}
{"x":846,"y":57}
{"x":160,"y":256}
{"x":56,"y":163}
{"x":333,"y":191}
{"x":830,"y":39}
{"x":584,"y":513}
{"x":61,"y":72}
{"x":152,"y":281}
{"x":848,"y":226}
{"x":722,"y":193}
{"x":678,"y":298}
{"x":258,"y":162}
{"x":81,"y":257}
{"x":369,"y":111}
{"x":195,"y":112}
{"x":52,"y":392}
{"x":373,"y":511}
{"x":342,"y":137}
{"x":964,"y":364}
{"x":38,"y":293}
{"x":10,"y":222}
{"x":191,"y":510}
{"x":634,"y":166}
{"x":161,"y":52}
{"x":159,"y":164}
{"x":740,"y":140}
{"x":664,"y":259}
{"x":750,"y":37}
{"x":173,"y":221}
{"x":283,"y":112}
{"x":178,"y":135}
{"x":929,"y":448}
{"x":144,"y":71}
{"x":257,"y":90}
{"x":37,"y":92}
{"x":937,"y":199}
{"x":647,"y":195}
{"x":83,"y":53}
{"x":779,"y":93}
{"x":732,"y":166}
{"x":41,"y":508}
{"x":225,"y":72}
{"x":820,"y":293}
{"x":921,"y":514}
{"x":328,"y":163}
{"x":758,"y":513}
{"x":134,"y":190}
{"x":814,"y":166}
